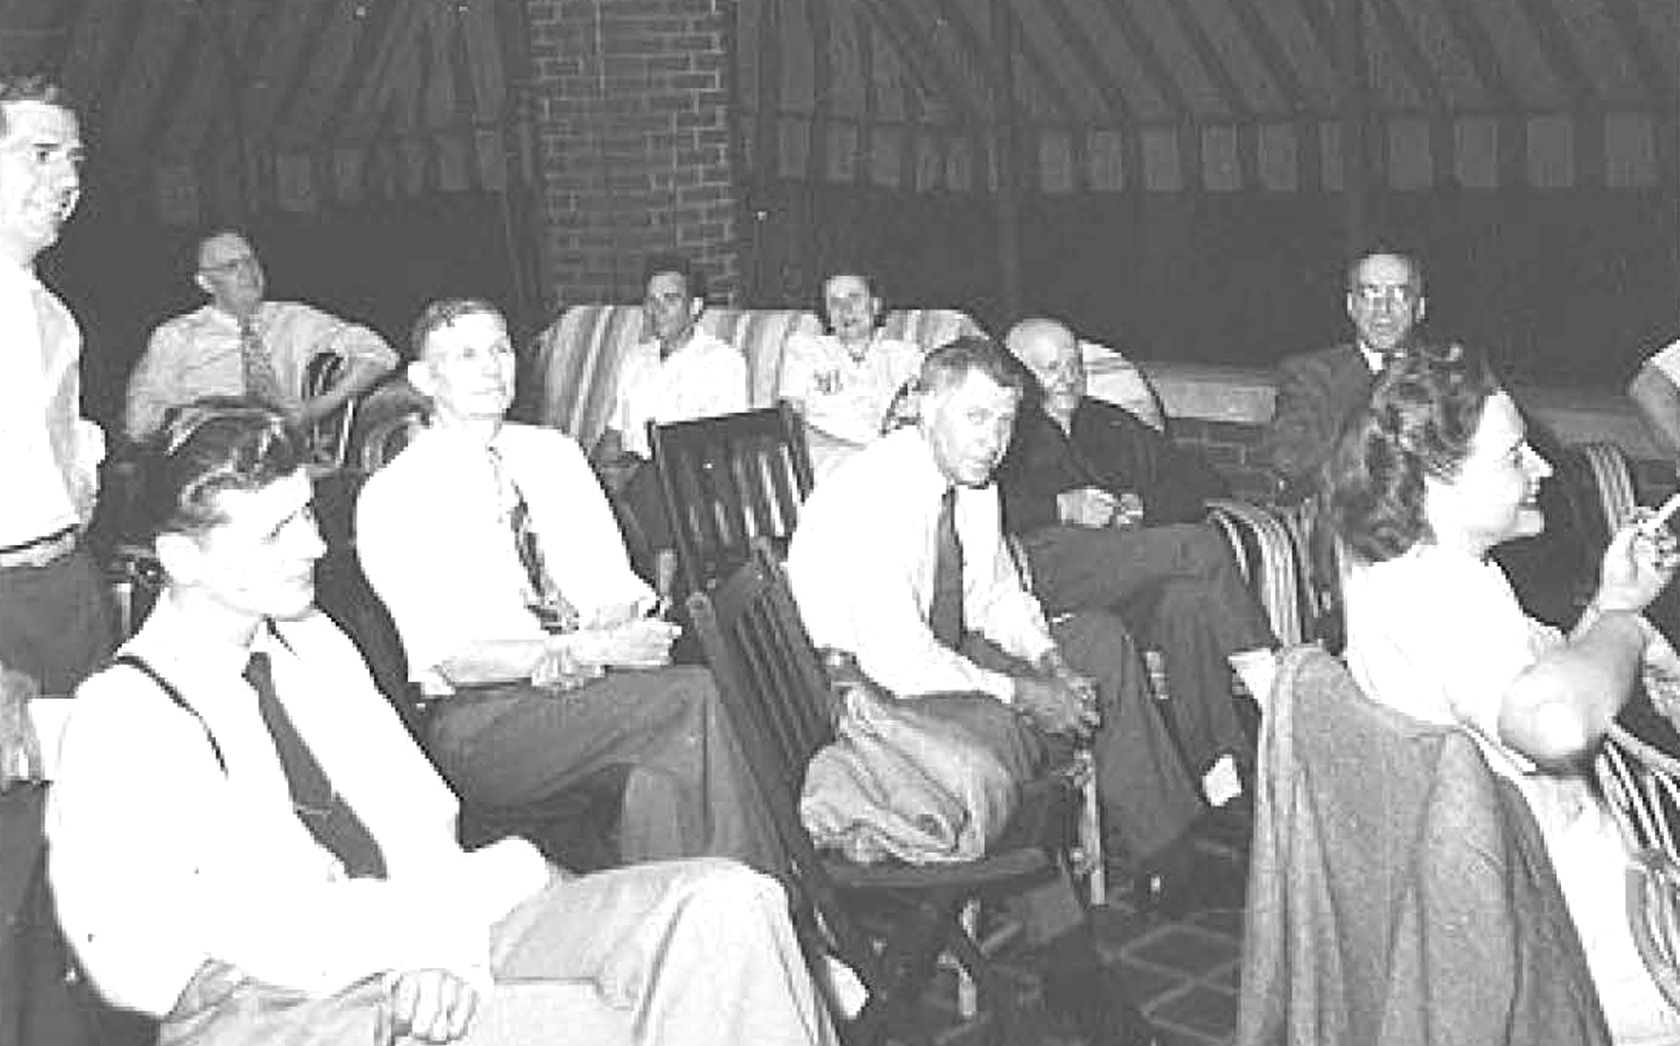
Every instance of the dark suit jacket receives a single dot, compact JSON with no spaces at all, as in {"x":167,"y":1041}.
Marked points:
{"x":1315,"y":392}
{"x":1109,"y":449}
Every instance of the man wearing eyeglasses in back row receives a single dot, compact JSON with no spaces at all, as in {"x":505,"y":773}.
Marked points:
{"x":1316,"y":390}
{"x":240,"y":344}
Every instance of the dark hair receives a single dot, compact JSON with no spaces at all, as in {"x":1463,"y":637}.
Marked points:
{"x":33,"y":87}
{"x":1414,"y":265}
{"x":442,"y":313}
{"x":693,"y":278}
{"x":951,"y":362}
{"x":210,"y":445}
{"x":1419,"y":421}
{"x":849,"y":267}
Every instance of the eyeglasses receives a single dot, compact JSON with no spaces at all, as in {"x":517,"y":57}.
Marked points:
{"x":1371,"y":295}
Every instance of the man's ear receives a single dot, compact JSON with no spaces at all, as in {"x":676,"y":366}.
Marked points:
{"x":1422,"y":307}
{"x":1347,"y":303}
{"x":203,"y":283}
{"x":179,"y":555}
{"x":420,"y":376}
{"x":696,"y":306}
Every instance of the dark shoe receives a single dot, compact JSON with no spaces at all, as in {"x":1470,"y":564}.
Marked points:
{"x":1209,"y":884}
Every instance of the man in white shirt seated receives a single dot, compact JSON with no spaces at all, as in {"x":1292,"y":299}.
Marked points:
{"x":843,"y":382}
{"x":494,"y":549}
{"x":245,"y":843}
{"x":678,"y":372}
{"x":239,"y":344}
{"x":899,"y":559}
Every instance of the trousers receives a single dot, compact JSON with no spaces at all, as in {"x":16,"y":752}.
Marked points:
{"x":1178,"y":586}
{"x":1149,"y":800}
{"x":696,"y":952}
{"x":686,"y":791}
{"x":54,"y":622}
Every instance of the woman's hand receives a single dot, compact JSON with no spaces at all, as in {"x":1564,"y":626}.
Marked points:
{"x":1639,"y":561}
{"x":637,"y":643}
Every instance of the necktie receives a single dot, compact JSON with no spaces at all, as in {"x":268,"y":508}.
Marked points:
{"x":945,"y":609}
{"x":542,"y":594}
{"x":261,"y":383}
{"x":321,"y":809}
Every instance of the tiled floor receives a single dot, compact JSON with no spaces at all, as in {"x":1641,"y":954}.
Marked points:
{"x":1182,"y":974}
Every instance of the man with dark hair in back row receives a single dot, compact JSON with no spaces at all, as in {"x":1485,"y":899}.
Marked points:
{"x":246,"y":843}
{"x":677,"y":372}
{"x":1317,"y":390}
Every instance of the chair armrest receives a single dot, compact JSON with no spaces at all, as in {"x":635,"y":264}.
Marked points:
{"x":1270,"y":554}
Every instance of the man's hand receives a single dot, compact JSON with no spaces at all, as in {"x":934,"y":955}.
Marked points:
{"x":1128,"y":509}
{"x":20,"y":750}
{"x":637,"y":643}
{"x":432,"y":1005}
{"x":1085,"y":507}
{"x":1055,"y":706}
{"x":560,"y":670}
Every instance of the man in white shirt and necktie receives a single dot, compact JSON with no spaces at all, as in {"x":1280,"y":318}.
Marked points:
{"x":53,"y":623}
{"x":241,"y":344}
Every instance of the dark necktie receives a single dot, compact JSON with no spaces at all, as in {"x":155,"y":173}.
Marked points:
{"x":945,"y":609}
{"x":261,"y":383}
{"x":321,"y":809}
{"x":543,"y":597}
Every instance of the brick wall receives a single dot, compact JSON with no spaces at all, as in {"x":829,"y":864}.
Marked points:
{"x":630,"y":106}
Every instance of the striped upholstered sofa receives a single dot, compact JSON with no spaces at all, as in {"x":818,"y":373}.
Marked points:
{"x":575,"y":366}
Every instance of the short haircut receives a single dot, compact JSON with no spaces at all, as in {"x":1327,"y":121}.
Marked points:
{"x":34,"y":87}
{"x":1414,"y":264}
{"x":1419,"y":421}
{"x":210,"y":232}
{"x":210,"y":445}
{"x":442,"y":313}
{"x":951,"y":362}
{"x":693,"y":278}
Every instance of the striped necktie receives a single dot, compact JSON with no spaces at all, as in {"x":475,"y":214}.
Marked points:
{"x":542,"y":595}
{"x":261,"y":383}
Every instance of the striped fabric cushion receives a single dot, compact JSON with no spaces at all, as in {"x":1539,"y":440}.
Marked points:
{"x":577,"y":357}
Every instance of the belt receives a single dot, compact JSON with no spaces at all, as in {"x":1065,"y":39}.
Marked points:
{"x":41,"y":551}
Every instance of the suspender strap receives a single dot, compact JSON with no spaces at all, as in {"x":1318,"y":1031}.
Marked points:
{"x":140,"y":664}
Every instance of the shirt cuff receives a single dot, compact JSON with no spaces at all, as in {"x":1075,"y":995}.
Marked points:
{"x":998,"y":685}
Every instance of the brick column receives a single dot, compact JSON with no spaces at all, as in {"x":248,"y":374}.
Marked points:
{"x":630,"y":104}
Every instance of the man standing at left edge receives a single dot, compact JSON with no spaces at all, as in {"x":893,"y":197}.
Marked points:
{"x":54,"y":625}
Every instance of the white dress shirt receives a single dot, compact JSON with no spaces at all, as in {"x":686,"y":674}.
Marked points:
{"x":704,"y":378}
{"x":436,"y":547}
{"x":862,"y":561}
{"x":198,"y":354}
{"x":160,"y":860}
{"x":1438,"y":635}
{"x":842,"y":395}
{"x":49,"y":455}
